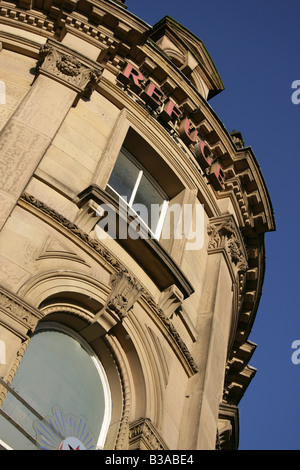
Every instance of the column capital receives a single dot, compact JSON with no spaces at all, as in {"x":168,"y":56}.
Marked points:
{"x":225,"y":235}
{"x":69,"y":68}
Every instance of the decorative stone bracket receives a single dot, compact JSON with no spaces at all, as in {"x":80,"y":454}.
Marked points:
{"x":69,"y":68}
{"x":225,"y":235}
{"x":124,"y":293}
{"x":171,"y":299}
{"x":228,"y":427}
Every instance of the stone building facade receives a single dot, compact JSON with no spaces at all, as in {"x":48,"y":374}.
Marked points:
{"x":130,"y":325}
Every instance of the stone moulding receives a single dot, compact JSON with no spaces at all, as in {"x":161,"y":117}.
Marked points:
{"x":10,"y":376}
{"x":112,"y":344}
{"x":21,"y":319}
{"x":144,"y":436}
{"x":28,"y":201}
{"x":19,"y":311}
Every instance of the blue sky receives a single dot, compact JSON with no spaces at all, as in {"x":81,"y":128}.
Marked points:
{"x":255,"y":47}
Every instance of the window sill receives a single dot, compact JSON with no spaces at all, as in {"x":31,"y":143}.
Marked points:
{"x":148,"y":252}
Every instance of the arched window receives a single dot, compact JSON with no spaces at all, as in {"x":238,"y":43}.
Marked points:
{"x":60,"y":397}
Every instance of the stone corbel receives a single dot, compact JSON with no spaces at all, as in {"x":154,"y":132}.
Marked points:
{"x":88,"y":216}
{"x":69,"y":68}
{"x":228,"y":428}
{"x":171,"y":299}
{"x":125,"y":292}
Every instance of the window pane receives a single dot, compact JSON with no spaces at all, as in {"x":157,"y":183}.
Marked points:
{"x":124,"y":176}
{"x":56,"y":371}
{"x":149,"y":196}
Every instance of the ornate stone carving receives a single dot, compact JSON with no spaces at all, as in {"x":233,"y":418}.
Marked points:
{"x":224,"y":234}
{"x":79,"y":74}
{"x":17,"y":310}
{"x":125,"y":292}
{"x":144,"y":436}
{"x":69,"y":65}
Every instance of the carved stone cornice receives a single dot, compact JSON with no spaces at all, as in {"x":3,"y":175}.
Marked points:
{"x":144,"y":436}
{"x":68,"y":68}
{"x":238,"y":373}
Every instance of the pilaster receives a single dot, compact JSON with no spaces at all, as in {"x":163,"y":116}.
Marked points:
{"x":62,"y":78}
{"x":17,"y":322}
{"x":226,"y":263}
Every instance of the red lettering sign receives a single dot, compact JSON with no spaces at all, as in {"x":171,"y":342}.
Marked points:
{"x":154,"y":97}
{"x":170,"y":112}
{"x":203,"y":154}
{"x":131,"y":77}
{"x":216,"y":176}
{"x":188,"y":137}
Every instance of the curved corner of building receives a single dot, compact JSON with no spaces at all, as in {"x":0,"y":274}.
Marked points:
{"x":132,"y":229}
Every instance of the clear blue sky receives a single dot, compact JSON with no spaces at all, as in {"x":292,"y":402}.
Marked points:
{"x":255,"y":47}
